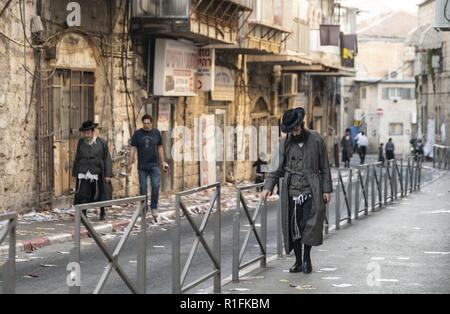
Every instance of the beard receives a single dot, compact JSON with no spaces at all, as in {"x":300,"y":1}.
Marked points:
{"x":301,"y":138}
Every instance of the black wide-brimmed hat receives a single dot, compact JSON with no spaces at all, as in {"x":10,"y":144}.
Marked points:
{"x":291,"y":119}
{"x":88,"y":125}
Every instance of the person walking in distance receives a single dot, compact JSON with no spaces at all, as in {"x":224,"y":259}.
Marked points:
{"x":363,"y":143}
{"x":347,"y":148}
{"x":390,"y":150}
{"x":147,"y":143}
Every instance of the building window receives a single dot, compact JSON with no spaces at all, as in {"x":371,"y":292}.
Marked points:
{"x":395,"y":129}
{"x":398,"y":93}
{"x":364,"y":93}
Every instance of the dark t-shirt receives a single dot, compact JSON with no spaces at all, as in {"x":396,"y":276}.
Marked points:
{"x":147,"y":144}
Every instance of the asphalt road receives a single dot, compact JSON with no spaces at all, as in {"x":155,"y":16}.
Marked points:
{"x":52,"y":279}
{"x":33,"y":277}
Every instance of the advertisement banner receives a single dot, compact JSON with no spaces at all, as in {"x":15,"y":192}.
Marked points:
{"x":176,"y":66}
{"x":206,"y":69}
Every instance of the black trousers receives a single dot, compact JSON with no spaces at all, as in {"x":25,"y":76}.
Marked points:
{"x":362,"y":154}
{"x":302,"y":215}
{"x":89,"y":192}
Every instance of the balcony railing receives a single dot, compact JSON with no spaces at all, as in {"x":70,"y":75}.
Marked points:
{"x":182,"y":8}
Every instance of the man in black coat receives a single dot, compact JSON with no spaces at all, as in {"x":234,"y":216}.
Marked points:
{"x":92,"y":168}
{"x":307,"y":187}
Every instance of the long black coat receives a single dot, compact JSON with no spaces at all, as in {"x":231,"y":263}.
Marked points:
{"x":97,"y":160}
{"x":317,"y":170}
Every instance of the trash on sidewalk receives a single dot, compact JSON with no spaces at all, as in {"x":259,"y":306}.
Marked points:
{"x":48,"y":265}
{"x":239,"y":289}
{"x":31,"y":276}
{"x":247,"y":278}
{"x":342,"y":285}
{"x":328,"y":269}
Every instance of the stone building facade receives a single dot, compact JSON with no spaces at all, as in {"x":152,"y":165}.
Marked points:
{"x":65,"y":62}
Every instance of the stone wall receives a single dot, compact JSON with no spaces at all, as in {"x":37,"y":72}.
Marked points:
{"x":17,"y":115}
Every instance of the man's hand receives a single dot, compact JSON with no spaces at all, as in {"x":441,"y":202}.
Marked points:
{"x":108,"y":179}
{"x":265,"y":194}
{"x":166,"y":167}
{"x":327,"y":198}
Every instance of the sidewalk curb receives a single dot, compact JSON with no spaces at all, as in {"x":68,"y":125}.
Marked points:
{"x":41,"y":242}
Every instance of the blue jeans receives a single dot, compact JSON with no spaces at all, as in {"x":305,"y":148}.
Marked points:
{"x":155,"y":179}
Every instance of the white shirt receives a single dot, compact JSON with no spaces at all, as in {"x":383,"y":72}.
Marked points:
{"x":363,"y":141}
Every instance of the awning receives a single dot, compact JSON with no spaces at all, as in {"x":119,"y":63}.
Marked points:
{"x":321,"y":70}
{"x":280,"y":59}
{"x":430,"y":39}
{"x":413,"y":38}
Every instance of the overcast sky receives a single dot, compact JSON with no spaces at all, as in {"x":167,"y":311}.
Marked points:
{"x":376,"y":7}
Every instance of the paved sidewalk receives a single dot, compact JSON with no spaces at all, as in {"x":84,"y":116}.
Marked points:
{"x":402,"y":248}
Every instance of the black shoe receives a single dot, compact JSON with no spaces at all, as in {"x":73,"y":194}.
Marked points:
{"x":296,"y":268}
{"x":307,"y":267}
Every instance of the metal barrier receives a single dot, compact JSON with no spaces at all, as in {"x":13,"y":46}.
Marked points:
{"x":261,"y":237}
{"x":441,"y":157}
{"x":80,"y":218}
{"x":9,"y":268}
{"x":178,"y":278}
{"x":387,"y":183}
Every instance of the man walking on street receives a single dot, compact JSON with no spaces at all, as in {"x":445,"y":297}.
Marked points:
{"x":92,"y":169}
{"x":381,"y":154}
{"x":148,"y":144}
{"x":307,"y":187}
{"x":347,"y":148}
{"x":363,"y":143}
{"x":390,"y":150}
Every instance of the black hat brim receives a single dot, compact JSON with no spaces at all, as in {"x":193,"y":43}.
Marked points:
{"x":89,"y":128}
{"x":290,"y":127}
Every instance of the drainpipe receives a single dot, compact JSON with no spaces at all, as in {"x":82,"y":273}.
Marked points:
{"x":276,"y":77}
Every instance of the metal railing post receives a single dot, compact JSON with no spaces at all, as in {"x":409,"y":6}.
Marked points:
{"x":407,"y":176}
{"x":264,"y":233}
{"x":420,"y":172}
{"x":380,"y":189}
{"x":217,"y":242}
{"x":434,"y":156}
{"x":357,"y":196}
{"x":142,"y":251}
{"x":394,"y":179}
{"x":386,"y":175}
{"x":372,"y":194}
{"x":366,"y":199}
{"x":349,"y":195}
{"x":338,"y":203}
{"x":279,"y":223}
{"x":402,"y":187}
{"x":10,"y":287}
{"x":236,"y":237}
{"x":75,"y":287}
{"x":9,"y":268}
{"x":176,"y":238}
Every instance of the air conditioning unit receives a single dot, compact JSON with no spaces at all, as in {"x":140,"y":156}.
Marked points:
{"x":436,"y":61}
{"x":442,"y":21}
{"x":160,"y":8}
{"x":290,"y":85}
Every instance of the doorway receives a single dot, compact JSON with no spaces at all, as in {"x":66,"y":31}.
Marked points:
{"x":72,"y":95}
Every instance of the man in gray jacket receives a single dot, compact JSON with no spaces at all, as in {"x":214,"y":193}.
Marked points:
{"x":307,"y":187}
